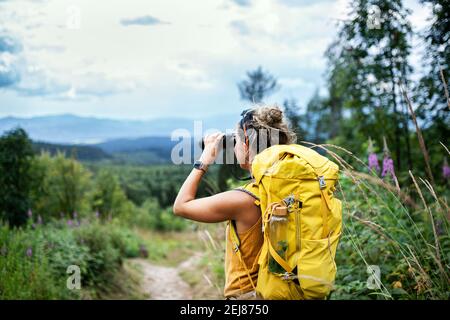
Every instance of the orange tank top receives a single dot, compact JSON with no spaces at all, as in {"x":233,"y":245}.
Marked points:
{"x":237,"y":281}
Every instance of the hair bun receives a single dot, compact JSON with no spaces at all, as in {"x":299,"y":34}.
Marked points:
{"x":270,"y":115}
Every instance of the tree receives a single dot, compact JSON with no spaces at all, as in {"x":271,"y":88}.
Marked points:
{"x":371,"y":57}
{"x":108,"y":197}
{"x":259,"y":85}
{"x":15,"y":180}
{"x":64,"y":185}
{"x":317,"y":119}
{"x":432,"y":103}
{"x":291,"y":111}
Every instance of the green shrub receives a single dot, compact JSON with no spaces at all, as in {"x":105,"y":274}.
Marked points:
{"x":34,"y":261}
{"x":26,"y":269}
{"x":152,"y":216}
{"x":126,"y":241}
{"x":167,"y":221}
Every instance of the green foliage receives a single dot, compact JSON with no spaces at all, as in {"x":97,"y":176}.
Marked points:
{"x":79,"y":152}
{"x":15,"y":183}
{"x":160,"y":182}
{"x":108,"y":197}
{"x":380,"y":229}
{"x":33,"y":262}
{"x":167,"y":221}
{"x":430,"y":95}
{"x":291,"y":111}
{"x":61,"y":185}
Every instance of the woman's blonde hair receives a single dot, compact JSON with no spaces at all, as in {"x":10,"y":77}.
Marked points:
{"x":263,"y":126}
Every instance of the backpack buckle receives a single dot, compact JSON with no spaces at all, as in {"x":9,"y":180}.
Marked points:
{"x":322,"y":183}
{"x":288,"y":276}
{"x":289,"y":201}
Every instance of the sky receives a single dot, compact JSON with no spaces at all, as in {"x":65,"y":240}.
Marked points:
{"x":146,"y":59}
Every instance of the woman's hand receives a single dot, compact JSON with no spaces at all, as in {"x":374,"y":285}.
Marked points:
{"x":212,"y":143}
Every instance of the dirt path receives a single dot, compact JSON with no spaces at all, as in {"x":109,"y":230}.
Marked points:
{"x":165,"y":283}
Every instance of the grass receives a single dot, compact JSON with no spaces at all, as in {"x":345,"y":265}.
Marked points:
{"x":126,"y":284}
{"x":170,"y":248}
{"x":386,"y":227}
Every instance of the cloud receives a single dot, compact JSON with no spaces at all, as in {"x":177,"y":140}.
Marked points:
{"x":194,"y":61}
{"x":9,"y":73}
{"x":240,"y":27}
{"x":242,"y":3}
{"x":142,"y":21}
{"x":192,"y":76}
{"x":302,"y":3}
{"x":8,"y":44}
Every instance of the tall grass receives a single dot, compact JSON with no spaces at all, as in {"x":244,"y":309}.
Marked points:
{"x":384,"y":226}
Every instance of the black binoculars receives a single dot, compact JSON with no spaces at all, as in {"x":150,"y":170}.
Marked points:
{"x":228,"y":141}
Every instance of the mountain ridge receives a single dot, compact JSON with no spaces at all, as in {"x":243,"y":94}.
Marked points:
{"x":74,"y":129}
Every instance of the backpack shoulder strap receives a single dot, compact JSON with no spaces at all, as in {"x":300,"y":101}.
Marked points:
{"x":250,"y":188}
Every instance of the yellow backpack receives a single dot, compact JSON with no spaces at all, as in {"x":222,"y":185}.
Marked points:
{"x":298,"y":182}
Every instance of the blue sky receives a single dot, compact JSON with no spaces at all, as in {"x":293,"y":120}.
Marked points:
{"x":143,"y":59}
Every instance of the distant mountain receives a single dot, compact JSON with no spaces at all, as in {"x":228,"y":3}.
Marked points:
{"x":136,"y":144}
{"x":146,"y":150}
{"x":71,"y":129}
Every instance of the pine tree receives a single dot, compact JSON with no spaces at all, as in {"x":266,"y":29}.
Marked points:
{"x":367,"y":64}
{"x":432,"y":102}
{"x":258,"y":85}
{"x":15,"y":177}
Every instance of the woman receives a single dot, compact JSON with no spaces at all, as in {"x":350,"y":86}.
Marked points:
{"x":237,"y":205}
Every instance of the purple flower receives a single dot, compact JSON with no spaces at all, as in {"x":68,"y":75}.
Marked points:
{"x":30,"y":214}
{"x":373,"y":162}
{"x":388,"y":163}
{"x":446,"y":170}
{"x":388,"y":167}
{"x":29,"y":252}
{"x":39,"y":220}
{"x":70,"y":223}
{"x":97,"y":214}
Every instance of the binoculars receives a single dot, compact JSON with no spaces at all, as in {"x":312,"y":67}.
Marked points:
{"x":227,"y":156}
{"x":228,"y":141}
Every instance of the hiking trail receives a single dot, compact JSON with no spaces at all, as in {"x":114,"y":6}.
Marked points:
{"x":164,"y":283}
